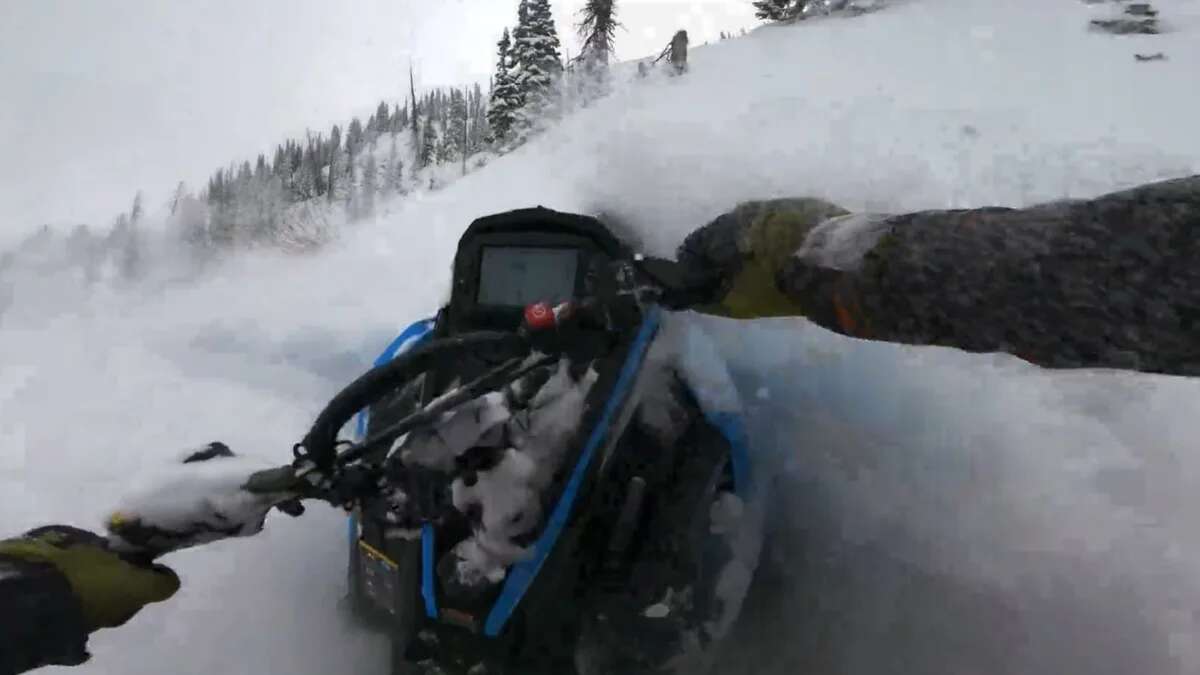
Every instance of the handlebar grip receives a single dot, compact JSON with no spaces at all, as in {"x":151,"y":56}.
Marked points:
{"x":279,"y":480}
{"x":681,"y":286}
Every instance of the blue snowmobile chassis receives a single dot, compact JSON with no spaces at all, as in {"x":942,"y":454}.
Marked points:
{"x":627,"y":522}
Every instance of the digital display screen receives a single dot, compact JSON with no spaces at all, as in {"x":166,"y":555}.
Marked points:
{"x":514,"y":276}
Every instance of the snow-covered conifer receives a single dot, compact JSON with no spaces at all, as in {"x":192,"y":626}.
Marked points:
{"x":538,"y":69}
{"x":506,"y":97}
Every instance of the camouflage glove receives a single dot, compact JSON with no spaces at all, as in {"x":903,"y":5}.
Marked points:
{"x":109,"y":589}
{"x":1109,"y":282}
{"x":748,"y":247}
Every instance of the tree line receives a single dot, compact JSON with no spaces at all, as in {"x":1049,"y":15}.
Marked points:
{"x":275,"y":199}
{"x":297,"y":196}
{"x":348,"y":169}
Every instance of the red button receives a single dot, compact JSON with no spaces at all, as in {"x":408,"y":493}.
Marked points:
{"x":539,"y":316}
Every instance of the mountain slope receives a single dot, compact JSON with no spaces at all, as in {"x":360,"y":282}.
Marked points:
{"x":942,"y":513}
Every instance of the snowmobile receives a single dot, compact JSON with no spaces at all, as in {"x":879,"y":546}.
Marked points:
{"x":535,"y":484}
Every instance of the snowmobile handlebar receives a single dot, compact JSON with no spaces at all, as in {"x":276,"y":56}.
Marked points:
{"x":319,"y":469}
{"x":331,"y":470}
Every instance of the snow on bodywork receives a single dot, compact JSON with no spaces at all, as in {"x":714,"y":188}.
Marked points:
{"x":683,"y":350}
{"x":529,"y":444}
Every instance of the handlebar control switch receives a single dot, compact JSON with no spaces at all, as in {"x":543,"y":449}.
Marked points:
{"x":542,"y":316}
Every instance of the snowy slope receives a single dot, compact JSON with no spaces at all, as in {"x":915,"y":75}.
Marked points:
{"x":944,"y":512}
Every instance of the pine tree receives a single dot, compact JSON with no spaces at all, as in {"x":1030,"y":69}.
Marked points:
{"x":340,"y":175}
{"x":428,"y":144}
{"x":245,"y":173}
{"x":370,"y":185}
{"x":412,"y":88}
{"x":456,"y":127}
{"x":135,"y":213}
{"x":306,"y":176}
{"x":297,"y":157}
{"x":126,"y":239}
{"x":335,"y":138}
{"x":779,"y":10}
{"x":520,"y":32}
{"x":354,"y":138}
{"x":538,"y":68}
{"x":440,"y":107}
{"x":278,"y":161}
{"x":398,"y":119}
{"x":479,"y":122}
{"x":334,"y":154}
{"x":284,"y":170}
{"x":383,"y":119}
{"x":597,"y":32}
{"x":505,"y":99}
{"x":176,"y":196}
{"x":263,"y":201}
{"x":394,"y":181}
{"x":82,"y":249}
{"x":189,"y":220}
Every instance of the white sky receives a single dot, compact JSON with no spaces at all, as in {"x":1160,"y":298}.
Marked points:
{"x":101,"y":98}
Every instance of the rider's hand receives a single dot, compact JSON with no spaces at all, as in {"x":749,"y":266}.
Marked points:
{"x":110,"y":588}
{"x":202,"y":499}
{"x":748,"y":248}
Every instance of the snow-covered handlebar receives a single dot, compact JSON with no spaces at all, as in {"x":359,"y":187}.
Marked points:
{"x":211,"y":497}
{"x":319,"y":467}
{"x":327,"y":469}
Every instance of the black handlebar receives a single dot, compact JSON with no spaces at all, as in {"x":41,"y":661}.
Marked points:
{"x":320,"y":443}
{"x":668,"y":283}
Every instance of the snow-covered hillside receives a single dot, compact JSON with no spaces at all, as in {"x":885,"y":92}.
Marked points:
{"x":943,"y":512}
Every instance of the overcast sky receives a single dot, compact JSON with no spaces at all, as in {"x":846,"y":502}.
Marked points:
{"x":100,"y":98}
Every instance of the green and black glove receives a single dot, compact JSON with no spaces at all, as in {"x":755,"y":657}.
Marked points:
{"x":111,"y":588}
{"x":58,"y":584}
{"x":1108,"y":282}
{"x":748,"y":248}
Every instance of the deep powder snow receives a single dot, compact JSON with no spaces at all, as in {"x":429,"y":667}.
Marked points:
{"x":937,"y":512}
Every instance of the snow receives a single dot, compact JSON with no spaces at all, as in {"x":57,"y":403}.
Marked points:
{"x":194,"y":503}
{"x":725,"y":514}
{"x":554,"y":417}
{"x":508,"y":494}
{"x":509,"y":507}
{"x":951,"y":512}
{"x":699,"y":362}
{"x":657,"y":611}
{"x":841,"y":243}
{"x":459,"y":429}
{"x":684,"y":350}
